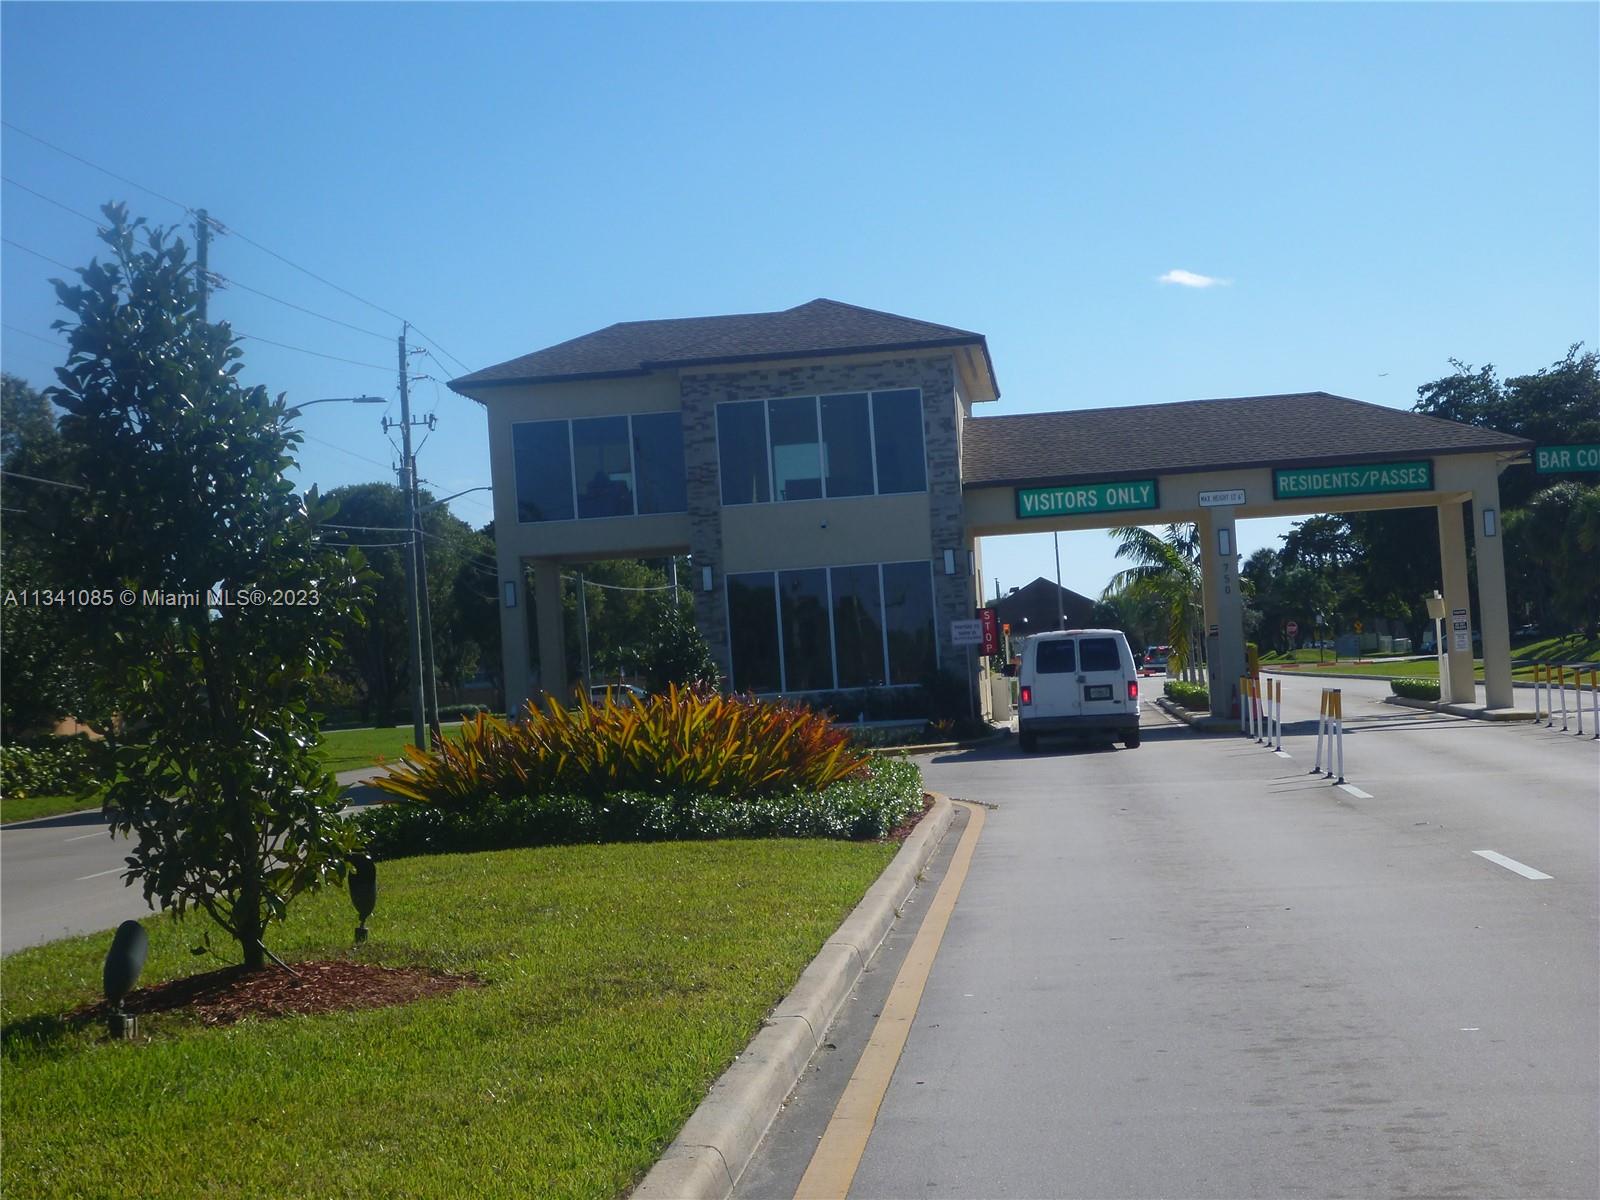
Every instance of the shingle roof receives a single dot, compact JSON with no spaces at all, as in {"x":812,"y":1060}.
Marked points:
{"x":635,"y":347}
{"x":1141,"y":440}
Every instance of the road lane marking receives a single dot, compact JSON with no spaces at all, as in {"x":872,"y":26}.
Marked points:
{"x":1512,"y":864}
{"x":1355,"y":791}
{"x":838,"y":1154}
{"x":97,"y":874}
{"x":82,"y":836}
{"x":1282,"y":754}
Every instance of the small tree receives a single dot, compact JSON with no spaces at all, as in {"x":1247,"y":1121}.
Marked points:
{"x":227,"y":605}
{"x":675,"y":652}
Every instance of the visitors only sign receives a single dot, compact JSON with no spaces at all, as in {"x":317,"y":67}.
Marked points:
{"x":1356,"y":479}
{"x":1553,"y":460}
{"x":1081,"y":499}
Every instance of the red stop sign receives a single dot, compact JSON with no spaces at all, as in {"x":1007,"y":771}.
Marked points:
{"x":1293,"y":628}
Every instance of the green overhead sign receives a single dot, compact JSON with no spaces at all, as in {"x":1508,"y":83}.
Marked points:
{"x":1356,"y":479}
{"x":1081,"y":499}
{"x":1556,"y":460}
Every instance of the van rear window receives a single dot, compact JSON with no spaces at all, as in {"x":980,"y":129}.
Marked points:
{"x":1099,"y":654}
{"x":1056,"y":657}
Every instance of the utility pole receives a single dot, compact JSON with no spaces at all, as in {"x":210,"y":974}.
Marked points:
{"x":408,"y":484}
{"x":1061,"y":613}
{"x":202,"y":240}
{"x":430,"y":677}
{"x":583,"y":629}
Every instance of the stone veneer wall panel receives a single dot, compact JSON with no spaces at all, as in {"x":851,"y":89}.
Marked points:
{"x":700,"y":395}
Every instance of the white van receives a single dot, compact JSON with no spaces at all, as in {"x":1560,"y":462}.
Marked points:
{"x":1078,"y":681}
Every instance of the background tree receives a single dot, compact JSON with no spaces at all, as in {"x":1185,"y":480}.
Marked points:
{"x":187,"y":496}
{"x":674,"y":652}
{"x":1166,"y":574}
{"x":43,"y":678}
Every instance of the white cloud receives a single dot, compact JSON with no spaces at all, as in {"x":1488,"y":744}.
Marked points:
{"x":1189,"y":279}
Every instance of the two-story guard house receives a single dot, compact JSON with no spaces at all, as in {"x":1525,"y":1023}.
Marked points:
{"x":808,"y":460}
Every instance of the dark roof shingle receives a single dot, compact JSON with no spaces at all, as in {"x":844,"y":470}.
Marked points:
{"x":1249,"y":431}
{"x":634,"y":347}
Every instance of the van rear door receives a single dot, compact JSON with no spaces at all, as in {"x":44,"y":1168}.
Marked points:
{"x":1055,"y":669}
{"x":1103,"y":682}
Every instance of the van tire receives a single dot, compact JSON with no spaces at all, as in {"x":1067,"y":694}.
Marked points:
{"x":1028,"y":742}
{"x":1132,"y":740}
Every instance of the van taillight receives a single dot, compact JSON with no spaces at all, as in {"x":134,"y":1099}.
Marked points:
{"x":1133,"y":689}
{"x":1027,"y":695}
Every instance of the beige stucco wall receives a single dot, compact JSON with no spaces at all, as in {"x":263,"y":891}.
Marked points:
{"x":826,"y":533}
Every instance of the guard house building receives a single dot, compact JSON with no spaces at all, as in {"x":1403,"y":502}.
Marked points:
{"x":825,"y":469}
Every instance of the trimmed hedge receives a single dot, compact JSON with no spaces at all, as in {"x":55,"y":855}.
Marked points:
{"x":1415,"y":689}
{"x":1193,"y":696}
{"x":862,"y":807}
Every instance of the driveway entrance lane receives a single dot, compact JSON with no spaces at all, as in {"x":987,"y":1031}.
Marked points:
{"x":1165,"y":978}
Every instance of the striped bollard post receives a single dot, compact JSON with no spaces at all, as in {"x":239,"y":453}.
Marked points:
{"x":1594,"y":694}
{"x":1538,"y":682}
{"x":1338,"y":725}
{"x":1550,"y":695}
{"x":1279,"y":686}
{"x":1561,"y":682}
{"x":1577,"y":687}
{"x":1322,"y":720}
{"x":1244,"y":704}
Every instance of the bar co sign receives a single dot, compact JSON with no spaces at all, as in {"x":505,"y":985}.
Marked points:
{"x":1292,"y":483}
{"x":1086,"y":498}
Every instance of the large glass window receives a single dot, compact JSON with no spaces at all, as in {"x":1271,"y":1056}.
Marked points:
{"x":796,"y":455}
{"x":753,"y":632}
{"x":603,"y":466}
{"x":897,"y":435}
{"x":847,"y":445}
{"x":908,"y":620}
{"x":807,"y":647}
{"x":742,"y":452}
{"x":544,"y":470}
{"x":658,"y":459}
{"x":858,"y":626}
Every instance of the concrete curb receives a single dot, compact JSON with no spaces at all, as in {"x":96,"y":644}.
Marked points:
{"x":1473,"y":712}
{"x":1201,"y":722}
{"x":999,"y":735}
{"x":720,"y":1137}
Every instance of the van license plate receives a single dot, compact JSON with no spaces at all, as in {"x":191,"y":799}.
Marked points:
{"x":1098,"y":691}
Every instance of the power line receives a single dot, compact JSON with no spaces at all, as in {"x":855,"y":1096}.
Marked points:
{"x":95,"y":221}
{"x":253,"y":338}
{"x":96,"y":166}
{"x":447,"y":353}
{"x":36,"y":337}
{"x":342,"y":450}
{"x":36,"y":254}
{"x":77,"y":487}
{"x":225,"y":280}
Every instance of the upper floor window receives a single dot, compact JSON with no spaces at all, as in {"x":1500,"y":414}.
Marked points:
{"x":816,"y":447}
{"x":618,"y":466}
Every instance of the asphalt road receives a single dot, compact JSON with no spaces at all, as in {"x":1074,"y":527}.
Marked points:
{"x":1193,"y":969}
{"x":63,"y":875}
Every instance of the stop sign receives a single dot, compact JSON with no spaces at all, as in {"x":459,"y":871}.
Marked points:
{"x":1293,"y":628}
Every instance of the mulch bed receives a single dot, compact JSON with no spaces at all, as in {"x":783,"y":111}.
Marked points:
{"x":903,"y":830}
{"x":231,"y":994}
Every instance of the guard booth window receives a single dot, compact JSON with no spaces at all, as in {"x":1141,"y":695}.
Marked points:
{"x":1057,"y":656}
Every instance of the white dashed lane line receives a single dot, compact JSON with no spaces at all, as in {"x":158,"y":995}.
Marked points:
{"x":1512,"y":864}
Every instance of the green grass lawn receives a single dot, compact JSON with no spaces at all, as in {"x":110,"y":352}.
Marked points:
{"x":342,"y":750}
{"x":620,"y":981}
{"x":1571,"y":649}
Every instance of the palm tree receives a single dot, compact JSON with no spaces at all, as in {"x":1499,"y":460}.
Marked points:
{"x":1166,"y":572}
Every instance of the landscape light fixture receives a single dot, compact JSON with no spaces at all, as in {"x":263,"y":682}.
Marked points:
{"x":124,"y":961}
{"x":363,"y":891}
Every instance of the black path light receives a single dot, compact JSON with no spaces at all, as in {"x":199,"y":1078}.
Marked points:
{"x":124,"y":961}
{"x":363,"y":891}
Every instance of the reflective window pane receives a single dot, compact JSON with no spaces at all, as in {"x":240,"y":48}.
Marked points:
{"x":908,"y":615}
{"x":1099,"y":654}
{"x":847,"y":445}
{"x":753,"y":632}
{"x":858,"y":626}
{"x":742,"y":452}
{"x":1058,"y":656}
{"x":897,"y":429}
{"x":658,"y":457}
{"x":544,"y":470}
{"x":603,"y":465}
{"x":807,"y":654}
{"x":796,"y":455}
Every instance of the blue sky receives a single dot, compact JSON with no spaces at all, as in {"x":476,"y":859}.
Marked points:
{"x":1378,"y":188}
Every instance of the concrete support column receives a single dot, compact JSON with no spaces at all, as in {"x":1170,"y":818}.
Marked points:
{"x":1219,"y":575}
{"x":1456,"y":685}
{"x":1493,"y":619}
{"x":513,"y":634}
{"x":552,"y":636}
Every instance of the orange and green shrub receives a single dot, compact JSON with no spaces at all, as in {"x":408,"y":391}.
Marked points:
{"x":681,"y":741}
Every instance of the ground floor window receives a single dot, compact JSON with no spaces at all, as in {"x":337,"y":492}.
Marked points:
{"x":868,"y":625}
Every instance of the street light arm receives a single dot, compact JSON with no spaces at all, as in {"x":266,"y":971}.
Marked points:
{"x":447,"y":499}
{"x":294,"y":408}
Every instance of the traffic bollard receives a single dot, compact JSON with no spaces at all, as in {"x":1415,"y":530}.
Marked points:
{"x":1244,"y":704}
{"x":1577,"y":688}
{"x":1561,"y":682}
{"x":1336,"y":736}
{"x":1594,"y":694}
{"x":1322,"y":722}
{"x":1538,"y":683}
{"x":1278,"y":685}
